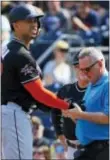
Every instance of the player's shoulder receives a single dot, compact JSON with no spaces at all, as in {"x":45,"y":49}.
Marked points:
{"x":15,"y":52}
{"x":18,"y":48}
{"x":14,"y":48}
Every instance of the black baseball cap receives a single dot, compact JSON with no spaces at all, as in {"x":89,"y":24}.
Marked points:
{"x":23,"y":12}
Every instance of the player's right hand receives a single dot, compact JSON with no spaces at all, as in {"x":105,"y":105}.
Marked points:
{"x":79,"y":104}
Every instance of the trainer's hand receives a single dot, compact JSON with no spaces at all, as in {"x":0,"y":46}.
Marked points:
{"x":73,"y":113}
{"x":63,"y":141}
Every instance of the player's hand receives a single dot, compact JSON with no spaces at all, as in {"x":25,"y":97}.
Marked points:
{"x":79,"y":104}
{"x":70,"y":101}
{"x":76,"y":108}
{"x":63,"y":141}
{"x":73,"y":113}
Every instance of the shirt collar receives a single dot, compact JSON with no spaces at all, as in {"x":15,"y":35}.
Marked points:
{"x":19,"y":41}
{"x":102,"y":78}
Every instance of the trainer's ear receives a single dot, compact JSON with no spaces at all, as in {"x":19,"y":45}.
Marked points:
{"x":16,"y":25}
{"x":100,"y":63}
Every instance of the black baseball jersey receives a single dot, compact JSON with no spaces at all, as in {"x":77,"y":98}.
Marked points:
{"x":19,"y":67}
{"x":64,"y":125}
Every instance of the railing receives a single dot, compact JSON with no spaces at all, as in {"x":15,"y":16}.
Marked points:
{"x":103,"y":49}
{"x":72,"y":49}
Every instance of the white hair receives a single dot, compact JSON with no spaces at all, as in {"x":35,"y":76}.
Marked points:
{"x":93,"y":53}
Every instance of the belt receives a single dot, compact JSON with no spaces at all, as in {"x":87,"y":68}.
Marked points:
{"x":101,"y":143}
{"x":6,"y":102}
{"x":74,"y":145}
{"x":3,"y":103}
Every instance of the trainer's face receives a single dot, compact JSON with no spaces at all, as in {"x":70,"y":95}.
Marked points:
{"x":27,"y":28}
{"x":90,"y":69}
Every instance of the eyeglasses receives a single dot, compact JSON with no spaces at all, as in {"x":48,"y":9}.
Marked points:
{"x":63,"y":50}
{"x":88,"y":68}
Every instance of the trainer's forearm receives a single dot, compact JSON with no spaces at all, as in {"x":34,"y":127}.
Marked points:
{"x":97,"y":117}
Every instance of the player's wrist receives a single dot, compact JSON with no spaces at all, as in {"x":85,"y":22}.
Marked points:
{"x":71,"y":105}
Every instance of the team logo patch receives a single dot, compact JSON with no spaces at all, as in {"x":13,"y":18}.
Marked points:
{"x":27,"y":69}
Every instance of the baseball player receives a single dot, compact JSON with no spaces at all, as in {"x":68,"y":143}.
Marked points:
{"x":65,"y":127}
{"x":21,"y":86}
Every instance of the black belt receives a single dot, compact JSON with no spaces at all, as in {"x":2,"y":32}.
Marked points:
{"x":73,"y":145}
{"x":101,"y":143}
{"x":5,"y":103}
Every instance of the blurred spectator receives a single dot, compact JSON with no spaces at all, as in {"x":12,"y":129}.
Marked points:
{"x":58,"y":150}
{"x":87,"y":23}
{"x":105,"y":19}
{"x":5,"y":30}
{"x":40,"y":144}
{"x":51,"y":29}
{"x":103,"y":11}
{"x":38,"y":131}
{"x":48,"y":132}
{"x":42,"y":152}
{"x":54,"y":9}
{"x":32,"y":2}
{"x":105,"y":29}
{"x":71,"y":6}
{"x":102,"y":4}
{"x":88,"y":16}
{"x":6,"y":7}
{"x":99,"y":9}
{"x":58,"y":70}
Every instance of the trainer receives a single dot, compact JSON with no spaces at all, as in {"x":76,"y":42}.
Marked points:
{"x":92,"y":126}
{"x":21,"y":86}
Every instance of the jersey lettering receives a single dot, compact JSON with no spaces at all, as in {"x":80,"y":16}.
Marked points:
{"x":27,"y":69}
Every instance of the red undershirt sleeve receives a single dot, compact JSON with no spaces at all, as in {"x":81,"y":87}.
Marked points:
{"x":39,"y":93}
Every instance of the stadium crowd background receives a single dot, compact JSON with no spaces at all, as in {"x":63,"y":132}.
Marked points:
{"x":66,"y":26}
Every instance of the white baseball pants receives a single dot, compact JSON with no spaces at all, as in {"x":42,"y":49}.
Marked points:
{"x":16,"y":133}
